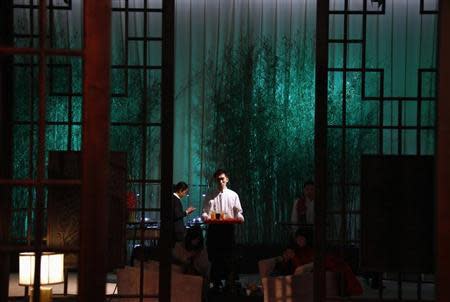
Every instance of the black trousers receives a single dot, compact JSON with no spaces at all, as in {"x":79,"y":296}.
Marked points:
{"x":220,"y":246}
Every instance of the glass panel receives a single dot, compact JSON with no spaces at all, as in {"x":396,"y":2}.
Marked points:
{"x":25,"y":74}
{"x":126,"y":110}
{"x":428,"y":113}
{"x":153,"y":153}
{"x":334,"y":200}
{"x":409,"y":143}
{"x":427,"y":142}
{"x":140,"y":4}
{"x":336,"y":29}
{"x":135,"y":53}
{"x":354,"y":51}
{"x":335,"y":52}
{"x":353,"y":198}
{"x":129,"y":139}
{"x":409,"y":113}
{"x":154,"y":23}
{"x":429,"y":84}
{"x":335,"y":157}
{"x":64,"y":34}
{"x":337,"y":5}
{"x":358,"y":142}
{"x":26,"y":26}
{"x":372,"y":83}
{"x":19,"y":226}
{"x":390,"y":113}
{"x":355,"y":5}
{"x":24,"y":151}
{"x":56,"y":137}
{"x":118,"y":37}
{"x":154,"y":96}
{"x":335,"y":83}
{"x":353,"y":227}
{"x":154,"y":49}
{"x":355,"y":27}
{"x":390,"y":141}
{"x":430,"y":5}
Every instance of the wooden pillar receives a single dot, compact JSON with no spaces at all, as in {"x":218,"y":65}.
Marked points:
{"x":167,"y":136}
{"x":443,"y":158}
{"x":6,"y":98}
{"x":320,"y":148}
{"x":95,"y":150}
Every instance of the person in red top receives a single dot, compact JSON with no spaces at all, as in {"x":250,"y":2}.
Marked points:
{"x":299,"y":259}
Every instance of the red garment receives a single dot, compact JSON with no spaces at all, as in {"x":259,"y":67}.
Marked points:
{"x":302,"y":256}
{"x":336,"y":264}
{"x":332,"y":263}
{"x":131,"y":200}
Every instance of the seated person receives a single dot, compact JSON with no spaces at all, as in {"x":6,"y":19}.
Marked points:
{"x":299,"y":257}
{"x":191,"y":254}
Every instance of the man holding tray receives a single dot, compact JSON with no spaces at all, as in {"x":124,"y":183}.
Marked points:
{"x":221,"y":210}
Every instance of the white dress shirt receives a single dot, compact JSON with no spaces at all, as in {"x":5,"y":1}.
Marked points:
{"x":309,"y":214}
{"x":226,"y":202}
{"x":309,"y":211}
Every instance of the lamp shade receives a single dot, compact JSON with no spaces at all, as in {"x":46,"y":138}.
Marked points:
{"x":52,"y":268}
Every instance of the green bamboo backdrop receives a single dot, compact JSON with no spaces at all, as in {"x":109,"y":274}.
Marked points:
{"x":244,"y":100}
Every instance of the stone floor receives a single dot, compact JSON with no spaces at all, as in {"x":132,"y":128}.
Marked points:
{"x":390,"y":290}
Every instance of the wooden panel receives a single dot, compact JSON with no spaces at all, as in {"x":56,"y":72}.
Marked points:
{"x":64,"y":206}
{"x":443,"y":158}
{"x":397,"y":204}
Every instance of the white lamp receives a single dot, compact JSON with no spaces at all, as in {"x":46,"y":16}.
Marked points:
{"x":52,"y":272}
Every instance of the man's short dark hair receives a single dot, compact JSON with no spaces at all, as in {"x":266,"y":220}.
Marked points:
{"x":181,"y":186}
{"x":220,"y":172}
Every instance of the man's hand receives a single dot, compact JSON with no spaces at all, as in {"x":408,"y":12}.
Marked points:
{"x":235,"y":211}
{"x":189,"y":210}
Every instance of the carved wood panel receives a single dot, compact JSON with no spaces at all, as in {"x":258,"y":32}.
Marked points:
{"x":64,"y":206}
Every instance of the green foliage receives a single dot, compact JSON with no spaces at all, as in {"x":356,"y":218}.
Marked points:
{"x":263,"y":129}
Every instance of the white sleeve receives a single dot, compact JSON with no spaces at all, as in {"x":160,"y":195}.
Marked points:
{"x":294,"y":216}
{"x":206,"y":208}
{"x":237,"y":205}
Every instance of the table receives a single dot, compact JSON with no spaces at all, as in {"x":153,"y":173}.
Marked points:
{"x":224,"y":221}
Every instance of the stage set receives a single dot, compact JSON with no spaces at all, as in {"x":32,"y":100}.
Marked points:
{"x":328,"y":119}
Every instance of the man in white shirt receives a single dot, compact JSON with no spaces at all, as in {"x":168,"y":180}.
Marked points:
{"x":303,"y":207}
{"x":222,"y":200}
{"x":220,"y":237}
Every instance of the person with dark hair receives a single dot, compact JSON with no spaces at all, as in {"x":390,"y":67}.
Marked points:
{"x":297,"y":254}
{"x":220,"y":237}
{"x":191,"y":254}
{"x":298,"y":259}
{"x":303,"y":208}
{"x":181,"y":190}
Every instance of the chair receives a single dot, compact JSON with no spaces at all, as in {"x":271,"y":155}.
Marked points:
{"x":292,"y":288}
{"x":184,"y":288}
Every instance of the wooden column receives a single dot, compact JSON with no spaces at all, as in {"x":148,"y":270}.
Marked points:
{"x":443,"y":158}
{"x":95,"y":150}
{"x":167,"y":136}
{"x":6,"y":98}
{"x":320,"y":148}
